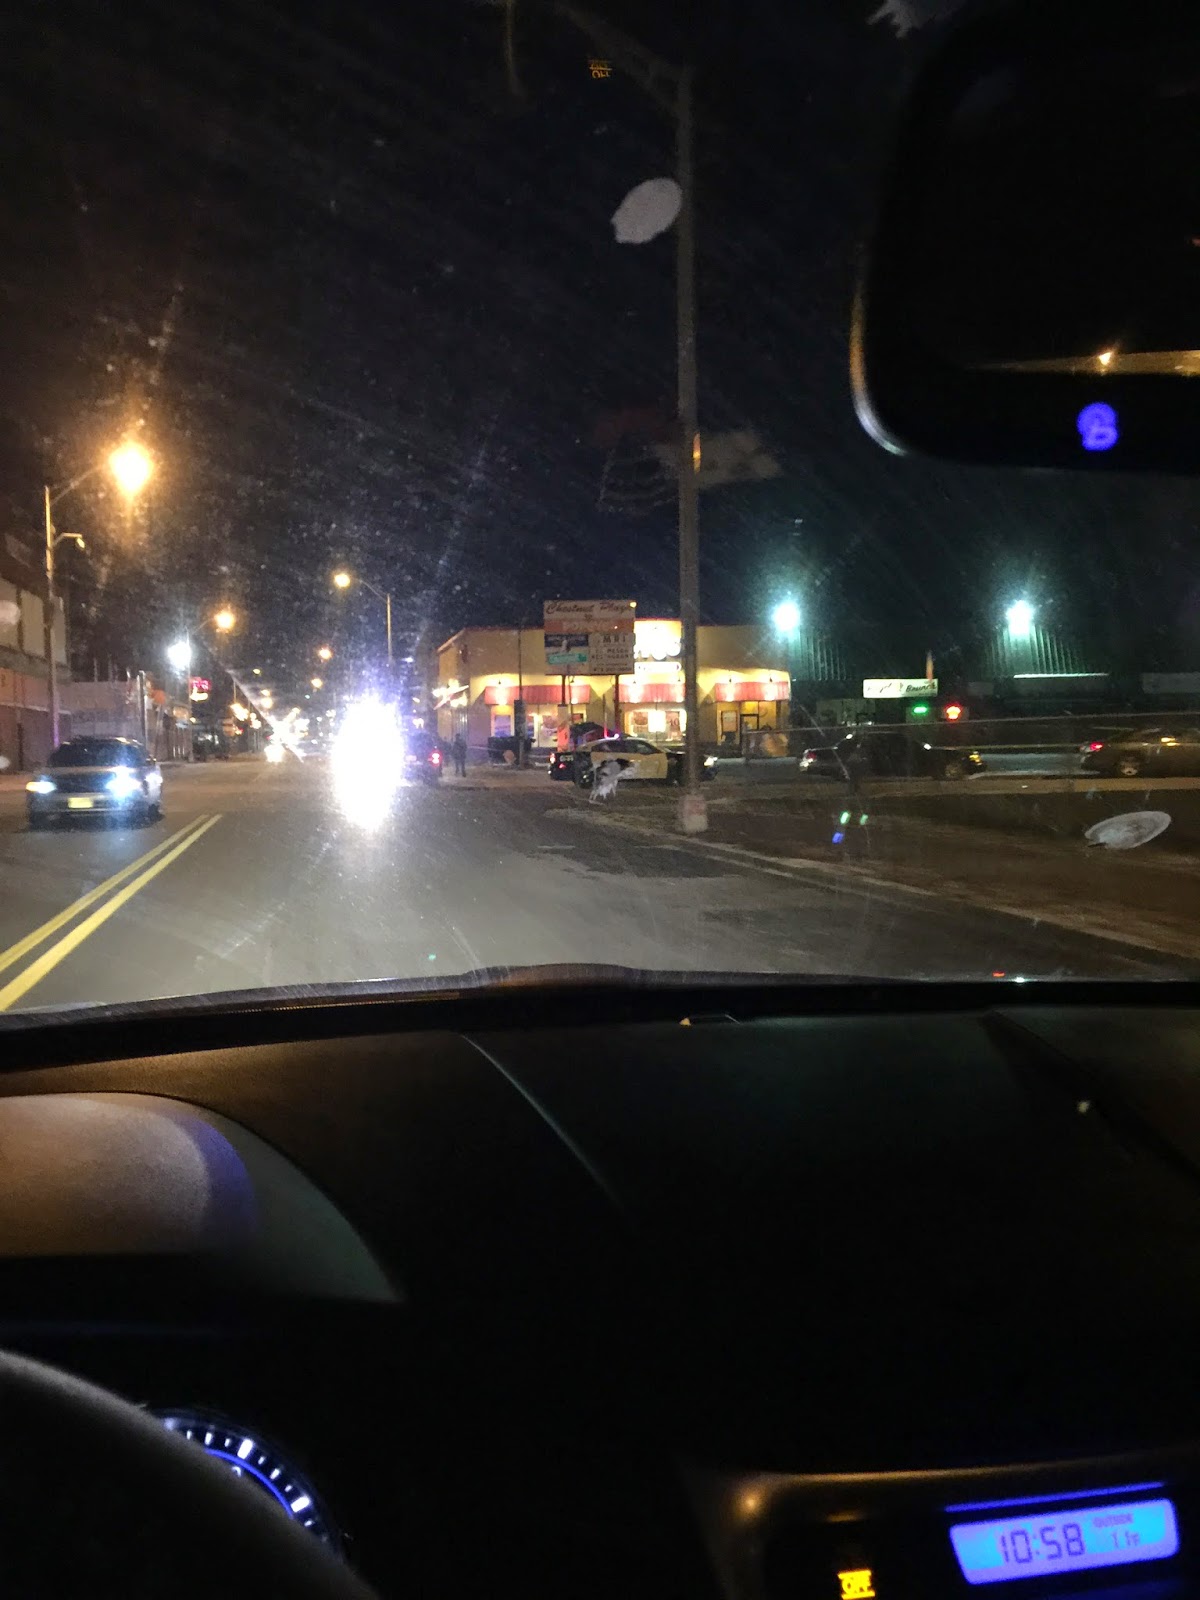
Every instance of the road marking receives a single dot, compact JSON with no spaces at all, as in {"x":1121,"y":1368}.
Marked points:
{"x":25,"y":945}
{"x":49,"y":959}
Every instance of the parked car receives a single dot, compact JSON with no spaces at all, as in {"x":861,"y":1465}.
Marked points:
{"x":1155,"y":752}
{"x":638,"y":758}
{"x":562,"y":765}
{"x":506,"y":748}
{"x":210,"y":743}
{"x":423,"y":758}
{"x":96,"y":776}
{"x":889,"y":753}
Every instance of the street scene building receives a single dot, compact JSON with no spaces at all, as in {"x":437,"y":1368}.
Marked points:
{"x":742,"y":682}
{"x":24,"y":693}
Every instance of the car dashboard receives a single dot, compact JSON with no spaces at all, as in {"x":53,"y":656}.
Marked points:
{"x":844,"y":1294}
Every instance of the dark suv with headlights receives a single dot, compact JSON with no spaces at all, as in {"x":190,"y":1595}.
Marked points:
{"x":96,"y":777}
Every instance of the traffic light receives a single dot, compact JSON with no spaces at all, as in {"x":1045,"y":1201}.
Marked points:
{"x":954,"y":712}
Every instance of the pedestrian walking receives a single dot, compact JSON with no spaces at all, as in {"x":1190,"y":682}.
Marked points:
{"x":458,"y":749}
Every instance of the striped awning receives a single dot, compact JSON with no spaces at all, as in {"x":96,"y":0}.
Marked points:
{"x":752,"y":690}
{"x":536,"y":694}
{"x":660,"y":694}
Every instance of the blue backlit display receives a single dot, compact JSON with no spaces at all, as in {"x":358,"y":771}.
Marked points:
{"x":1042,"y":1543}
{"x":1097,"y":425}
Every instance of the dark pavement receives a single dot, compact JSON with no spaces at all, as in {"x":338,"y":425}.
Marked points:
{"x":262,"y":878}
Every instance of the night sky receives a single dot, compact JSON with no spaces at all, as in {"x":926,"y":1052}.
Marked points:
{"x":364,"y":304}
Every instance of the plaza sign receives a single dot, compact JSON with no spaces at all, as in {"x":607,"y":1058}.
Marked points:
{"x":898,"y":688}
{"x":589,"y":635}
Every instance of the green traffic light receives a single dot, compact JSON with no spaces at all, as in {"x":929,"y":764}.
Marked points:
{"x":920,"y":710}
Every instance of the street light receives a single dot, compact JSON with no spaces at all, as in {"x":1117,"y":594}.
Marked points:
{"x":343,"y":579}
{"x":1019,"y":617}
{"x":224,"y":620}
{"x":179,"y":655}
{"x":317,"y":683}
{"x":324,"y":653}
{"x":786,"y":617}
{"x":131,"y":466}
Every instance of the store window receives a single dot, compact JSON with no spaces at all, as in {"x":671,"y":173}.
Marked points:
{"x":659,"y":724}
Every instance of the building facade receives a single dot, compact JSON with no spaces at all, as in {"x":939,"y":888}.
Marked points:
{"x":482,"y":673}
{"x":24,"y":680}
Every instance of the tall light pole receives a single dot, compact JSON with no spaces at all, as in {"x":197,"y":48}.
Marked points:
{"x":785,"y":619}
{"x":343,"y":580}
{"x":179,"y":655}
{"x":131,"y":466}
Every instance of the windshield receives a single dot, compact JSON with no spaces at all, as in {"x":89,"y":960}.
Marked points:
{"x":401,"y":401}
{"x":94,"y":753}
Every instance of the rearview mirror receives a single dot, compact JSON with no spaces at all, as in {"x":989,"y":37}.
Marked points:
{"x":1032,"y":293}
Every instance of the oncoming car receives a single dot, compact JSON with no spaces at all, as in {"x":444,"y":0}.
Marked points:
{"x":93,"y":776}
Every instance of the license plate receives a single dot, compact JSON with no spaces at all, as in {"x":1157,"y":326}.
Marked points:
{"x":80,"y":804}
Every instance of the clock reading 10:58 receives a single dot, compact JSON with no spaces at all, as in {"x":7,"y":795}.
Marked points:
{"x":1041,"y":1543}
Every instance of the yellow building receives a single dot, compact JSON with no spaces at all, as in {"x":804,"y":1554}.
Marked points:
{"x":742,"y":682}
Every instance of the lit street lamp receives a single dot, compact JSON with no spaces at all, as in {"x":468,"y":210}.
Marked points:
{"x":317,"y":683}
{"x":225,"y":620}
{"x":179,"y":655}
{"x":1019,"y":617}
{"x":786,"y":618}
{"x":131,"y":466}
{"x":324,"y":653}
{"x":343,"y":580}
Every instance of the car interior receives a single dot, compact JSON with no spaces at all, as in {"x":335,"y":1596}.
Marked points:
{"x":626,"y":1287}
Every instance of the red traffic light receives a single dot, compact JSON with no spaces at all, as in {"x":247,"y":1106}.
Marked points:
{"x":954,"y":713}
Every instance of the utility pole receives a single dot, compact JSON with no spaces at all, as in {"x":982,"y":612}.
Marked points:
{"x":48,"y":615}
{"x":648,"y":71}
{"x":693,"y":812}
{"x":519,"y":718}
{"x":48,"y":626}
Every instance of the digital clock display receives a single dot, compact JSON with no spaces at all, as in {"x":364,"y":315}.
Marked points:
{"x":1040,"y":1543}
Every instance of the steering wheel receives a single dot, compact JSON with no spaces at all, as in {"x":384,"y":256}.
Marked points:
{"x":99,"y":1499}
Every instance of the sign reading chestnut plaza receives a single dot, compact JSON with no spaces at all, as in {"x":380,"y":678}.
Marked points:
{"x":589,"y":635}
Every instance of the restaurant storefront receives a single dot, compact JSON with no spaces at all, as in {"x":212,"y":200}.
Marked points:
{"x":742,"y":681}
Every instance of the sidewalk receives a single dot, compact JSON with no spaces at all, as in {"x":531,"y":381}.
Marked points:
{"x":1148,"y":896}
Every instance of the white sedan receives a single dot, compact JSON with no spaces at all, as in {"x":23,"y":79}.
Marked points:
{"x":636,"y":759}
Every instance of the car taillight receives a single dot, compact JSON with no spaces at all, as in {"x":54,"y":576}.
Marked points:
{"x":809,"y":755}
{"x":1093,"y":744}
{"x":436,"y":757}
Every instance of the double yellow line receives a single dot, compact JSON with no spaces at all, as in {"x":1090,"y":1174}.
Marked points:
{"x":127,"y":882}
